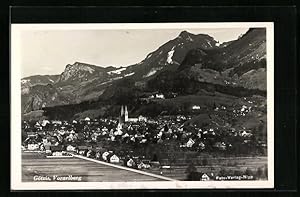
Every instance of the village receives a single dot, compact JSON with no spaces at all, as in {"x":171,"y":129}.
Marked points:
{"x":142,"y":143}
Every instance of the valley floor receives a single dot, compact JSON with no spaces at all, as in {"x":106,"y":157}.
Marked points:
{"x":36,"y":167}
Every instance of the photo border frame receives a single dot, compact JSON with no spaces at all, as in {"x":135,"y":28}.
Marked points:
{"x":275,"y":62}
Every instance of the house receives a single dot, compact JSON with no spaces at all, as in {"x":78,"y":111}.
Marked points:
{"x":130,"y":163}
{"x":199,"y":135}
{"x":166,"y":167}
{"x":33,"y":146}
{"x":48,"y":149}
{"x":196,"y":107}
{"x":114,"y":159}
{"x":201,"y":146}
{"x":45,"y":122}
{"x":159,"y":96}
{"x":118,"y":132}
{"x":155,"y":163}
{"x":142,"y":118}
{"x":56,"y":150}
{"x":262,"y":143}
{"x":125,"y":135}
{"x":220,"y":145}
{"x":61,"y":132}
{"x":82,"y":150}
{"x":90,"y":153}
{"x":41,"y":133}
{"x":143,"y":165}
{"x":132,"y":139}
{"x":94,"y":136}
{"x":104,"y":155}
{"x":244,"y":133}
{"x":133,"y":119}
{"x":58,"y":122}
{"x":90,"y":148}
{"x":71,"y":148}
{"x":41,"y":147}
{"x":143,"y":141}
{"x":182,"y":145}
{"x":190,"y":143}
{"x":44,"y":141}
{"x":31,"y":134}
{"x":244,"y":108}
{"x":104,"y":129}
{"x":98,"y":155}
{"x":112,"y":138}
{"x":205,"y":177}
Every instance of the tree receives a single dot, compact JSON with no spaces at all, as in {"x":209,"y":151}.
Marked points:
{"x":186,"y":106}
{"x":237,"y":173}
{"x":194,"y":176}
{"x":259,"y":173}
{"x":154,"y":158}
{"x":249,"y":172}
{"x":24,"y":135}
{"x":266,"y":171}
{"x":192,"y":173}
{"x":223,"y":172}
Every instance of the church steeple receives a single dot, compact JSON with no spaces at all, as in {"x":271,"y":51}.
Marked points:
{"x":121,"y":117}
{"x":122,"y":110}
{"x":125,"y":114}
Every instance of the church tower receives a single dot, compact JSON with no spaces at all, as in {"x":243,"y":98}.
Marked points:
{"x":121,"y":117}
{"x":126,"y":114}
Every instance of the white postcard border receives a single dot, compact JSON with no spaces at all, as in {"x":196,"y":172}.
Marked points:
{"x":15,"y":105}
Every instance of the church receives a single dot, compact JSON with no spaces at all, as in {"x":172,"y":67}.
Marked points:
{"x":124,"y":116}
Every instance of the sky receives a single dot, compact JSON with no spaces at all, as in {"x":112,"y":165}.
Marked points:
{"x":47,"y":52}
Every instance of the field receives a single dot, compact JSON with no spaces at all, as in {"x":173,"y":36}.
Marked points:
{"x":34,"y":164}
{"x":215,"y":165}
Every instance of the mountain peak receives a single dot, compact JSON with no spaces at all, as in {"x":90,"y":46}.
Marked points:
{"x":82,"y":64}
{"x":76,"y":64}
{"x":185,"y":34}
{"x":77,"y":69}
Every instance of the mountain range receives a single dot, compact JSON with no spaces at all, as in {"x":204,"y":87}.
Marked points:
{"x":187,"y":65}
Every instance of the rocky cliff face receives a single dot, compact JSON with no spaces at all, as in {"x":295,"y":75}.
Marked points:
{"x":79,"y":72}
{"x":31,"y":81}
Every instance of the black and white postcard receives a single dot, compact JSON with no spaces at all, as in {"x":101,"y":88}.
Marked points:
{"x":142,"y":106}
